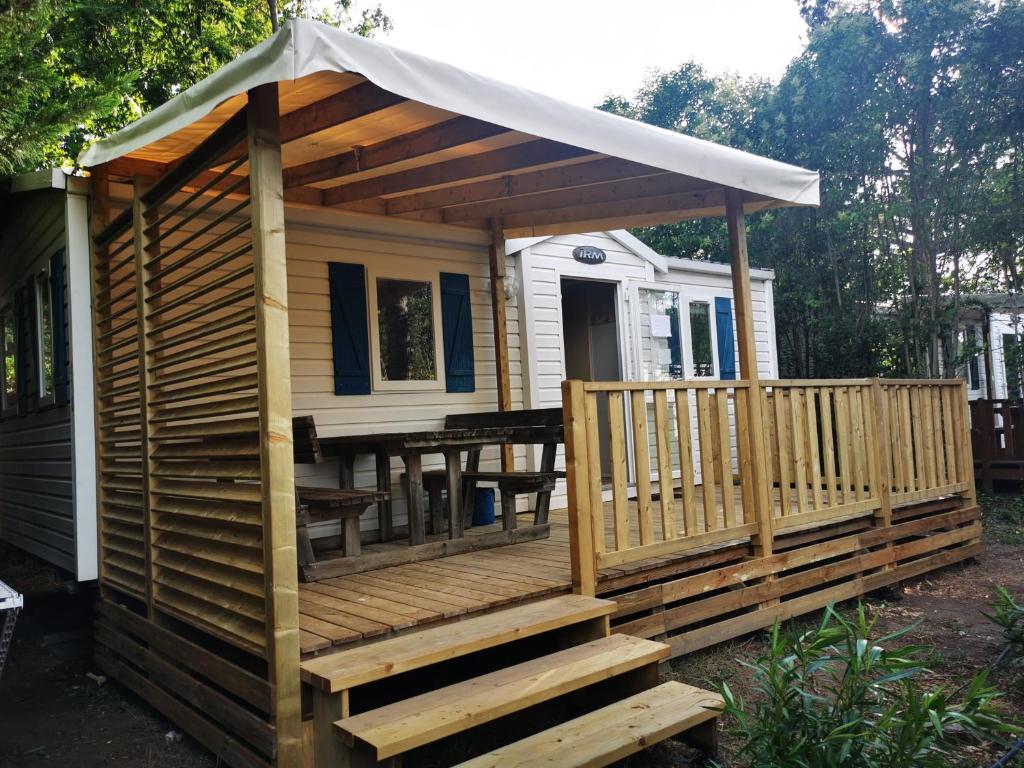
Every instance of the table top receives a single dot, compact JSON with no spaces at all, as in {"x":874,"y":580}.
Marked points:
{"x":438,"y":439}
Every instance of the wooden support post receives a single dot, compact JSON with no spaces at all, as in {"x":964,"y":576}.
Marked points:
{"x":328,"y":750}
{"x":275,"y":410}
{"x":744,"y":311}
{"x":142,"y":217}
{"x":497,"y":274}
{"x":582,"y":551}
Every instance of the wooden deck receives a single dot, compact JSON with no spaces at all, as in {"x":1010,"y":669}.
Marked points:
{"x":351,"y":608}
{"x":348,"y":609}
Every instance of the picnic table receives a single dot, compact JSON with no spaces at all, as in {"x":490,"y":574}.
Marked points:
{"x":411,"y":447}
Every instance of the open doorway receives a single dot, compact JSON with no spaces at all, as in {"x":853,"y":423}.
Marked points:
{"x":590,"y":336}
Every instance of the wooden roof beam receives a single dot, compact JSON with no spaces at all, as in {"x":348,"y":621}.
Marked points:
{"x":656,"y":209}
{"x":351,"y":104}
{"x":626,"y":191}
{"x":577,"y":175}
{"x":529,"y":155}
{"x":128,"y":167}
{"x":408,"y":146}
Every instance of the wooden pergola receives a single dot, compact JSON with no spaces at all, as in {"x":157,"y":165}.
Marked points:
{"x":449,"y":149}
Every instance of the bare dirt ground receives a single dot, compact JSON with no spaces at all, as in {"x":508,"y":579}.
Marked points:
{"x":53,"y":713}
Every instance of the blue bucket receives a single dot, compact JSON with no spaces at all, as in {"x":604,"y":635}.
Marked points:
{"x":483,"y":506}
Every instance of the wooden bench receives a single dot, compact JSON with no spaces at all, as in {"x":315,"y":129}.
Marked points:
{"x":313,"y":504}
{"x":541,"y":426}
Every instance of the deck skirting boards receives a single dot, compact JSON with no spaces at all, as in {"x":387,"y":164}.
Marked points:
{"x":696,"y":610}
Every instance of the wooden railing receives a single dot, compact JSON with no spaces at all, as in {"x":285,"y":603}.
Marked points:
{"x":660,"y":468}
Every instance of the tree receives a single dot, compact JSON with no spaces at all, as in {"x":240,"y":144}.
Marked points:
{"x":73,"y":70}
{"x":912,"y":110}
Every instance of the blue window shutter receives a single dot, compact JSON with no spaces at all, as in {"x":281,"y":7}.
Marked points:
{"x":726,"y":344}
{"x":60,"y":352}
{"x":351,"y":339}
{"x":457,"y":328}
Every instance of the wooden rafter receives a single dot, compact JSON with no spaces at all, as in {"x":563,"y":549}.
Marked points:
{"x":345,"y":106}
{"x":611,"y":192}
{"x":532,"y":154}
{"x":701,"y":200}
{"x":575,"y":175}
{"x":408,"y":146}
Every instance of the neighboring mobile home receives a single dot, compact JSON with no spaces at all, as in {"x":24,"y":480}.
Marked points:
{"x":47,"y":448}
{"x":318,"y":229}
{"x":993,"y":324}
{"x":605,"y":307}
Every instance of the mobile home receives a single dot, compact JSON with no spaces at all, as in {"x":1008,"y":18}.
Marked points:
{"x":319,"y":230}
{"x":47,"y":448}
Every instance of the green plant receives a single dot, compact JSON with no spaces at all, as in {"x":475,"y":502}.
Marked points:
{"x":840,"y":697}
{"x":1009,"y":616}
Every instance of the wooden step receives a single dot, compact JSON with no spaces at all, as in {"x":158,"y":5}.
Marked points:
{"x":347,"y":669}
{"x":611,"y":733}
{"x":405,"y":725}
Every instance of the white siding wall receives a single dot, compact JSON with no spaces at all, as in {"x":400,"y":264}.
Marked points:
{"x":313,"y":242}
{"x":544,"y":264}
{"x":36,"y":485}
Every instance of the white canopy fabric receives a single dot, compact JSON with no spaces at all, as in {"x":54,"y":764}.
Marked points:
{"x":302,"y":47}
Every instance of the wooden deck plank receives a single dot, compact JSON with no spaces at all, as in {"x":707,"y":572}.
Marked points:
{"x":415,"y":650}
{"x":612,"y":733}
{"x":410,"y":723}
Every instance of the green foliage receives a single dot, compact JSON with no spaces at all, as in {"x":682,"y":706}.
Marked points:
{"x":73,"y":70}
{"x":1008,"y":615}
{"x":840,"y":696}
{"x":913,"y":112}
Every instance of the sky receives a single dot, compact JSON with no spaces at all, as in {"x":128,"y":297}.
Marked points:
{"x":582,"y":50}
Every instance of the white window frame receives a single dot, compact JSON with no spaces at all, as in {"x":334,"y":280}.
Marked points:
{"x":8,"y":408}
{"x":644,"y":285}
{"x":700,"y":297}
{"x":50,"y":397}
{"x":406,"y":272}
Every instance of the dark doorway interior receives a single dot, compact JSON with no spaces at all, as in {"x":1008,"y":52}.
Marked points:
{"x":590,"y":334}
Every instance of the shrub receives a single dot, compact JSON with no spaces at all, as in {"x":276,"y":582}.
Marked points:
{"x":840,"y":697}
{"x":1009,"y":616}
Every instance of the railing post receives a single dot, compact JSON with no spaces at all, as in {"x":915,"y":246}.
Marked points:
{"x":971,"y":494}
{"x":740,"y":269}
{"x":878,"y":432}
{"x":881,"y":462}
{"x":582,"y":553}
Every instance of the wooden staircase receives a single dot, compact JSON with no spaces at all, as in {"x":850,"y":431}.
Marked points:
{"x":541,"y":683}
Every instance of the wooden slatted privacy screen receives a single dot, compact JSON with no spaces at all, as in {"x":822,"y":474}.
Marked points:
{"x":186,"y":491}
{"x":122,"y":518}
{"x":202,"y":408}
{"x":834,"y":450}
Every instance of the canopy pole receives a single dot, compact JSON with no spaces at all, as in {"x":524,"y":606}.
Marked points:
{"x":275,"y":408}
{"x":744,"y":310}
{"x":504,"y":378}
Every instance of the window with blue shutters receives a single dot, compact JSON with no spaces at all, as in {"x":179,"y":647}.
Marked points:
{"x":726,"y":342}
{"x":384,"y":331}
{"x":457,"y":329}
